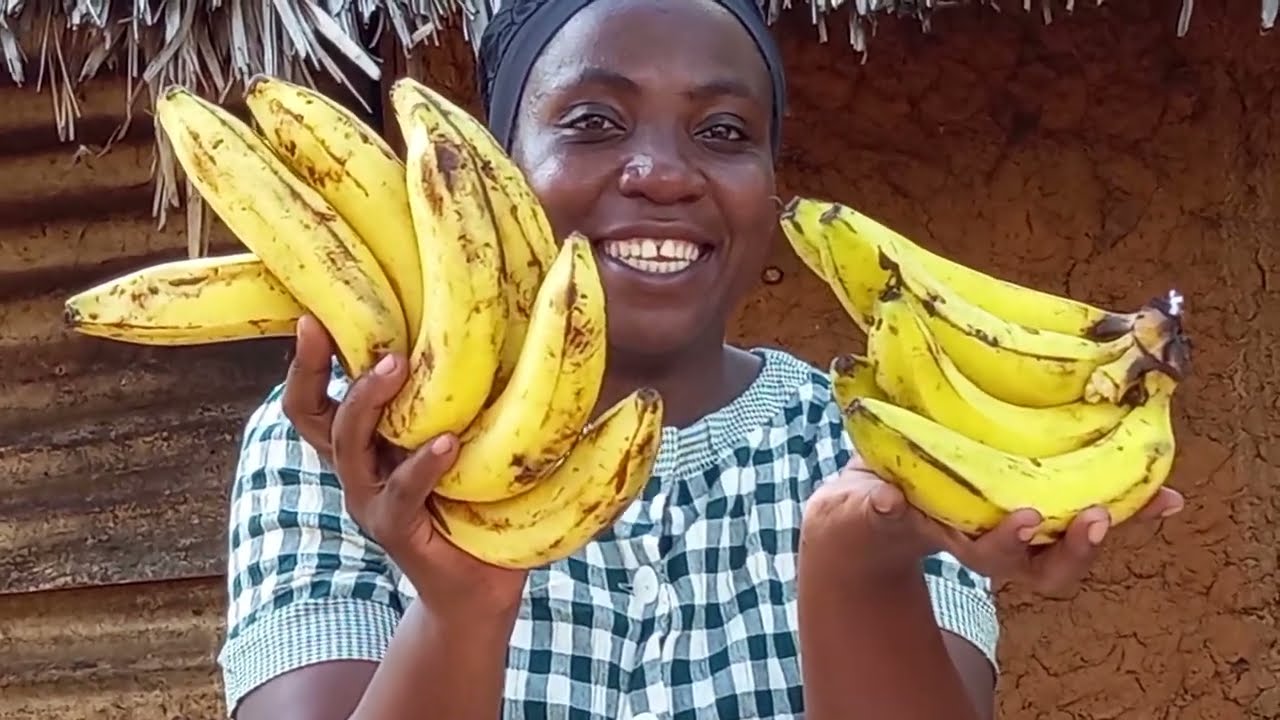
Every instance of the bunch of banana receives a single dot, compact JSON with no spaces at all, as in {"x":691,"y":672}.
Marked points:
{"x":446,"y":257}
{"x":978,"y":396}
{"x":972,"y":486}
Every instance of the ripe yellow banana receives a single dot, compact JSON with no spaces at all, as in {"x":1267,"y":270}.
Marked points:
{"x":298,"y":236}
{"x":353,"y":168}
{"x":537,"y":418}
{"x":455,"y":354}
{"x":1019,"y":365}
{"x":971,"y":486}
{"x":853,"y":377}
{"x":857,"y":244}
{"x":187,"y":302}
{"x":915,"y":374}
{"x":528,"y":243}
{"x":603,"y":473}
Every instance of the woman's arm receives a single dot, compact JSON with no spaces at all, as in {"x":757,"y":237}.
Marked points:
{"x":315,"y":628}
{"x":884,"y":633}
{"x":312,"y":591}
{"x":313,"y":603}
{"x":443,"y":670}
{"x":874,"y":650}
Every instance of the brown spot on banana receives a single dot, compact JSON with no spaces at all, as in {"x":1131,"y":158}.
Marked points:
{"x":185,"y":281}
{"x":430,"y":191}
{"x":426,"y":360}
{"x":1109,"y":327}
{"x":448,"y":162}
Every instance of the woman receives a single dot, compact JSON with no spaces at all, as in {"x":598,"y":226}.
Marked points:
{"x":635,"y":120}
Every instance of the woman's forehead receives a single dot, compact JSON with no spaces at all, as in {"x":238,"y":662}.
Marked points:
{"x":696,"y":48}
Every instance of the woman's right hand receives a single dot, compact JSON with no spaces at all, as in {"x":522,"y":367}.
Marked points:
{"x":385,"y":489}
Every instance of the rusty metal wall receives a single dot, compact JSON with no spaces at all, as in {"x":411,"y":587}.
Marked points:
{"x":114,"y":459}
{"x":124,"y":652}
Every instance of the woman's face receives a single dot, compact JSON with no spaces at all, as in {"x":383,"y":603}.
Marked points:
{"x":645,"y":126}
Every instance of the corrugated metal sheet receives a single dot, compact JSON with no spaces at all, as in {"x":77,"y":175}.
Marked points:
{"x":115,"y":460}
{"x":126,"y":652}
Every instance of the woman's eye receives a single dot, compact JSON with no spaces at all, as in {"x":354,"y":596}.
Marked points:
{"x":723,"y":132}
{"x":592,"y":123}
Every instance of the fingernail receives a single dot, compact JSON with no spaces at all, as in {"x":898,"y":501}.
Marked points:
{"x":442,"y":445}
{"x":386,"y":365}
{"x":1026,"y":533}
{"x":1171,"y":511}
{"x":1097,"y":532}
{"x":882,"y":502}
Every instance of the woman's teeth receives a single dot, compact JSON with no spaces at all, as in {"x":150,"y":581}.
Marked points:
{"x":654,"y":256}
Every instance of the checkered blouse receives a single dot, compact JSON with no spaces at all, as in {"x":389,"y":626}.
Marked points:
{"x":685,"y":610}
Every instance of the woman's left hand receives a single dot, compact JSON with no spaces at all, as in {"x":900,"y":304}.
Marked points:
{"x":858,"y":509}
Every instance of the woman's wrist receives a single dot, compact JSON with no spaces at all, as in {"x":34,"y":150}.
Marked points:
{"x":853,"y":567}
{"x":471,"y":617}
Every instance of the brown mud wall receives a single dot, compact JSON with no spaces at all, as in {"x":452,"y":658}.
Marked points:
{"x":1106,"y":158}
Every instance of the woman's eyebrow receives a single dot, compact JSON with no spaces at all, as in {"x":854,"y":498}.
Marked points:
{"x":722,"y":87}
{"x":595,"y":76}
{"x":599,"y":77}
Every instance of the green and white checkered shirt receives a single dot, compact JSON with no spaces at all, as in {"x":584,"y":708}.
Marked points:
{"x":684,"y":610}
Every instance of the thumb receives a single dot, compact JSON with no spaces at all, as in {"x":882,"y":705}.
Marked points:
{"x":882,"y":503}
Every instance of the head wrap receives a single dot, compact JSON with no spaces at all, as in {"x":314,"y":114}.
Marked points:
{"x":519,"y":31}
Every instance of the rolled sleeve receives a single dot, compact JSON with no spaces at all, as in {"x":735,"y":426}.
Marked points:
{"x":963,"y":603}
{"x":304,"y":584}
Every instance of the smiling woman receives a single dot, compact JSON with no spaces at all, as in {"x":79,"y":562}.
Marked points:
{"x":650,"y":126}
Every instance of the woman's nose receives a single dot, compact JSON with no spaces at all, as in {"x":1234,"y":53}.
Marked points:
{"x":661,"y":175}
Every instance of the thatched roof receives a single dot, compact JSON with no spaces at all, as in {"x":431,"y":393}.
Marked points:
{"x":214,"y":45}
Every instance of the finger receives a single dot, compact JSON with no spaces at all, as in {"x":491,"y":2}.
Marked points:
{"x":1060,"y":567}
{"x":1166,"y":503}
{"x":410,"y":484}
{"x":1002,"y":551}
{"x":306,"y":398}
{"x":891,"y":517}
{"x":1008,"y":541}
{"x":355,"y":424}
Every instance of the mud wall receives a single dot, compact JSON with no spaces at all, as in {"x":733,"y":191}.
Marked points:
{"x":1105,"y":157}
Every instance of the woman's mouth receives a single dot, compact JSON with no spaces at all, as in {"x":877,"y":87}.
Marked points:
{"x":665,"y":256}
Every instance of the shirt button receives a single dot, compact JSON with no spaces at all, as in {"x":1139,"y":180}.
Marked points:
{"x":645,"y":586}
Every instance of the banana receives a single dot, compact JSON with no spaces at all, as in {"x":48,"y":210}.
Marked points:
{"x":915,"y":374}
{"x":528,"y":243}
{"x":455,"y":355}
{"x":536,"y":419}
{"x":299,"y":237}
{"x":971,"y":486}
{"x":1019,"y":365}
{"x":852,"y":377}
{"x":859,"y":247}
{"x":187,"y":302}
{"x":603,"y":474}
{"x":353,"y":168}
